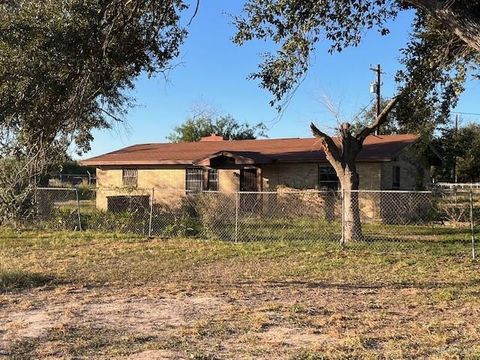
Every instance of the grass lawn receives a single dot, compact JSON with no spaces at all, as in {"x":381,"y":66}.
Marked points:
{"x":89,"y":295}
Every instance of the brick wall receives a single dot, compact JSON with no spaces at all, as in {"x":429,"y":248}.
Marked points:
{"x":228,"y":180}
{"x":412,"y":175}
{"x":305,"y":176}
{"x":169,"y":184}
{"x":297,"y":176}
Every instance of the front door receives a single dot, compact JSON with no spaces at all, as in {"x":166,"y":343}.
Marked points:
{"x":250,"y":201}
{"x":248,"y":180}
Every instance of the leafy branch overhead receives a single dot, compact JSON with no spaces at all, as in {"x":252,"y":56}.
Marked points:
{"x":66,"y":65}
{"x":443,"y":46}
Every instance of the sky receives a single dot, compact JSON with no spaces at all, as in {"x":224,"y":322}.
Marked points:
{"x":212,"y":73}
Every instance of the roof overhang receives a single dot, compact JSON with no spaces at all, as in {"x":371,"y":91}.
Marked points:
{"x":98,"y":163}
{"x":228,"y":158}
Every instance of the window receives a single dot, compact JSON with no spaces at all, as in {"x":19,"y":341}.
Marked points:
{"x":212,"y":184}
{"x":194,"y":179}
{"x":197,"y":179}
{"x":396,"y":177}
{"x":327,"y":178}
{"x":130,"y":177}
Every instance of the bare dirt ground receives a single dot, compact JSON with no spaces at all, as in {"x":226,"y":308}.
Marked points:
{"x":92,"y":296}
{"x":261,"y":321}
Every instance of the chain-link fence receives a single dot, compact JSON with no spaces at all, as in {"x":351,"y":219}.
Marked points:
{"x":443,"y":221}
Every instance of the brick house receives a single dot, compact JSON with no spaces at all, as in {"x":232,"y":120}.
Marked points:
{"x":386,"y":162}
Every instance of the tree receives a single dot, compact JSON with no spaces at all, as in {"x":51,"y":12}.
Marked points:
{"x":66,"y":67}
{"x":460,"y":149}
{"x":205,"y":125}
{"x":444,"y":44}
{"x":468,"y":164}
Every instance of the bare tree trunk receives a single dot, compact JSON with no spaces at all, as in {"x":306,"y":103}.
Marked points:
{"x":342,"y":154}
{"x":352,"y":225}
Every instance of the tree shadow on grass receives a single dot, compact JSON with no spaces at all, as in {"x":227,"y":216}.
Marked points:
{"x":373,"y":286}
{"x":15,"y":280}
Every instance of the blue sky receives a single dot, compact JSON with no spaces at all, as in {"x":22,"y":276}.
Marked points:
{"x":212,"y":73}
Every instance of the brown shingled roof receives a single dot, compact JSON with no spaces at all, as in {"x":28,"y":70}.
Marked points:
{"x":375,"y":149}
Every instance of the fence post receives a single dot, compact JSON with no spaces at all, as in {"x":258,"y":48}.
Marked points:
{"x":78,"y":210}
{"x":151,"y":214}
{"x":472,"y":225}
{"x":343,"y":218}
{"x":35,"y":201}
{"x":236,"y":215}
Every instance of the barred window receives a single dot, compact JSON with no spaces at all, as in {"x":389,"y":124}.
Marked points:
{"x":194,"y":179}
{"x":130,"y":177}
{"x":327,"y":178}
{"x":396,"y":177}
{"x":212,"y":180}
{"x":197,"y":179}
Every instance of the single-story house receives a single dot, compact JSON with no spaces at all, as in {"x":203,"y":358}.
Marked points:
{"x":386,"y":162}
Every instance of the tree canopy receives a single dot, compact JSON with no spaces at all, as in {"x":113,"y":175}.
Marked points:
{"x":460,"y":149}
{"x":66,"y":65}
{"x":444,"y":44}
{"x":205,"y":125}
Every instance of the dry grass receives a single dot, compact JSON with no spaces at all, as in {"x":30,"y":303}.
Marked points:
{"x":71,"y":295}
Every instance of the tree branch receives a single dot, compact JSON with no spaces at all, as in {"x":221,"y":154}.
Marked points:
{"x":328,"y":145}
{"x":116,"y":118}
{"x":458,"y":19}
{"x":197,"y":5}
{"x":380,"y":119}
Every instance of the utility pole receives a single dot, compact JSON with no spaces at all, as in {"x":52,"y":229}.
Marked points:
{"x":455,"y":137}
{"x":378,"y":91}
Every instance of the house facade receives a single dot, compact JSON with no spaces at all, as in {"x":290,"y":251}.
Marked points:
{"x":386,"y":162}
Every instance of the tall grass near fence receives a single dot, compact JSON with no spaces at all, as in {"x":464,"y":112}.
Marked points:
{"x":436,"y":221}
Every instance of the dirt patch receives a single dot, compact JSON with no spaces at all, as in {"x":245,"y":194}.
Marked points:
{"x":294,"y":337}
{"x":149,"y":314}
{"x":155,"y":355}
{"x":257,"y":321}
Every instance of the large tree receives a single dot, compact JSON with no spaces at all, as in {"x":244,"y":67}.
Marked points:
{"x":66,"y":67}
{"x":460,"y":150}
{"x":195,"y":128}
{"x":444,"y":45}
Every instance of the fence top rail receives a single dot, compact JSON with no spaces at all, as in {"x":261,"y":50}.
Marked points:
{"x":458,"y":185}
{"x":393,"y":191}
{"x":58,"y":188}
{"x":134,"y":191}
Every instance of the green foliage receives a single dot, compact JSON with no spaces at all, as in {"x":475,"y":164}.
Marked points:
{"x":74,"y":167}
{"x":436,"y":67}
{"x":463,"y":148}
{"x":65,"y":66}
{"x":297,"y":26}
{"x":437,"y":58}
{"x":65,"y":69}
{"x":205,"y":125}
{"x":469,"y":158}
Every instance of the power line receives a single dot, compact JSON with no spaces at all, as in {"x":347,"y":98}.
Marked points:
{"x":465,"y":113}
